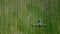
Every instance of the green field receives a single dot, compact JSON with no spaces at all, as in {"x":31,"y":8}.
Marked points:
{"x":18,"y":16}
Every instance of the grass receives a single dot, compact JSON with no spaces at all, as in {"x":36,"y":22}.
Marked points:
{"x":17,"y":16}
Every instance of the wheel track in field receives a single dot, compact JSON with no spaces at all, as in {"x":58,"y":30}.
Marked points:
{"x":52,"y":8}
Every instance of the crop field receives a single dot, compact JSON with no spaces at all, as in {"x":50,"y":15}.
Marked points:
{"x":18,"y":16}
